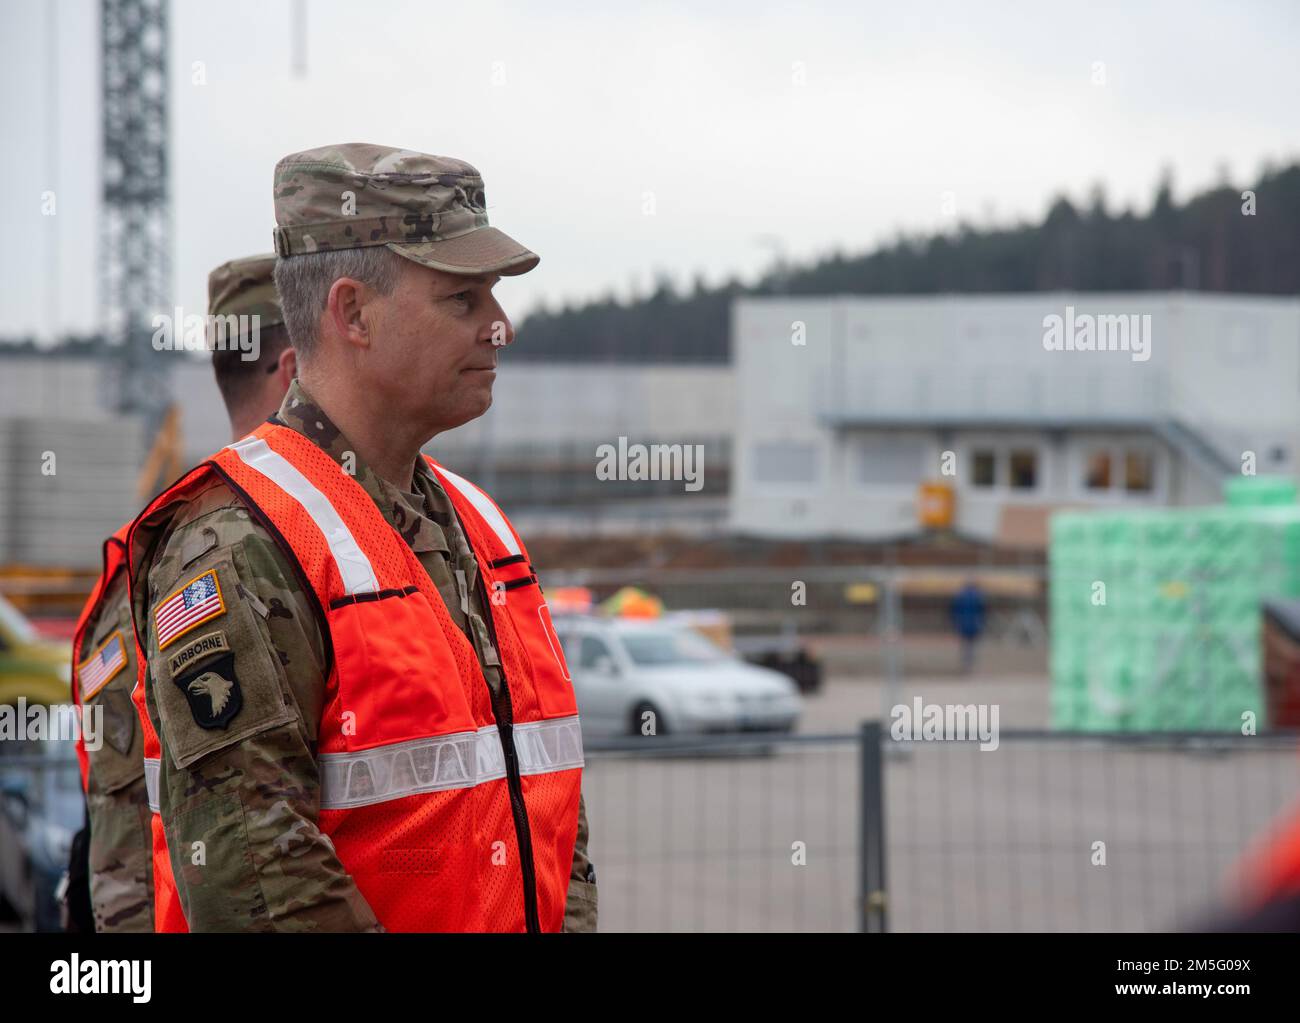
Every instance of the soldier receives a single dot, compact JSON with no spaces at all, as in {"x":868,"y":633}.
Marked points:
{"x":119,"y":867}
{"x":116,"y":841}
{"x":251,"y":388}
{"x":354,"y":734}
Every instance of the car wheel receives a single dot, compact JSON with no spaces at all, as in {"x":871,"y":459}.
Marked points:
{"x":638,"y":715}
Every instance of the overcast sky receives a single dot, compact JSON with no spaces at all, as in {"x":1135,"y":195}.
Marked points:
{"x":822,"y":125}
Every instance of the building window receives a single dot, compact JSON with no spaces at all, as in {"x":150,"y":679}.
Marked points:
{"x":785,"y":462}
{"x":1024,"y":469}
{"x":1120,"y":470}
{"x":1097,"y":471}
{"x":983,"y":468}
{"x":1139,"y":472}
{"x":888,"y":461}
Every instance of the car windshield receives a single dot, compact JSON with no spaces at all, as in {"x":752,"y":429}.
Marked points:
{"x":15,"y":623}
{"x":659,"y":646}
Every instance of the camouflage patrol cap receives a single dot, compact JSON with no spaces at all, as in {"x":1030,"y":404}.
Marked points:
{"x":245,"y":287}
{"x":429,"y":209}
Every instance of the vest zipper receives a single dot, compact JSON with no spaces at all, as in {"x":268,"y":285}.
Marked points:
{"x":503,"y":710}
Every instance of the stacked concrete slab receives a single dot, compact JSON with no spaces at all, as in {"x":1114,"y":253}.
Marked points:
{"x":67,"y":484}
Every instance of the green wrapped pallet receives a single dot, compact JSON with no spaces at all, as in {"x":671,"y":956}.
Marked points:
{"x":1246,"y":491}
{"x":1171,"y":640}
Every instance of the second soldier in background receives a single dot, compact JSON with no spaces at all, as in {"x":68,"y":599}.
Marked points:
{"x":117,"y":842}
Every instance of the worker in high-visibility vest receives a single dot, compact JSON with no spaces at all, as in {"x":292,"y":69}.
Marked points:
{"x":113,"y":866}
{"x":364,"y":716}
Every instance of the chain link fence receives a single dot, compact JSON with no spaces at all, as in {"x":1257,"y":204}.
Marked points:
{"x":1049,"y":832}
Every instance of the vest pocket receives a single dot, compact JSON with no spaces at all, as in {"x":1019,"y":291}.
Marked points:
{"x":397,"y":676}
{"x":220,"y":681}
{"x":531,"y":618}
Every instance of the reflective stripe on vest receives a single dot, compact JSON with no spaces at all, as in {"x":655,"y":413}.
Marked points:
{"x":484,"y":506}
{"x":446,"y":762}
{"x":354,"y":567}
{"x":151,"y":768}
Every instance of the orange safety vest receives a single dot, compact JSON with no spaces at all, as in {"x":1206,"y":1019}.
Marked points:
{"x":1270,"y":869}
{"x":168,"y":915}
{"x":114,"y":560}
{"x":452,"y":809}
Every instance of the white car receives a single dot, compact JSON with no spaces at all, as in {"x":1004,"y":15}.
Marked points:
{"x":623,"y":669}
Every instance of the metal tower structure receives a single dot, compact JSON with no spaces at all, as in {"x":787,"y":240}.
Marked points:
{"x":135,"y":225}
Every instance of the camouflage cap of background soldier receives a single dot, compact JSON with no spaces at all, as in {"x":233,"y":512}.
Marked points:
{"x":245,"y":287}
{"x":429,"y":209}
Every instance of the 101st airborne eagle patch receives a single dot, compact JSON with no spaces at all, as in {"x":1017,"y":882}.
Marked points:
{"x":212,"y":691}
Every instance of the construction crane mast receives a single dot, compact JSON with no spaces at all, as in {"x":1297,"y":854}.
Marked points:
{"x":135,"y":224}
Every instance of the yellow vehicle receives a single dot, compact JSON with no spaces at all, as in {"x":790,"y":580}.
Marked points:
{"x":35,"y":668}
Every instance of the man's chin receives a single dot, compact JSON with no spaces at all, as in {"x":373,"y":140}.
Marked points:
{"x":470,"y":409}
{"x":485,"y":400}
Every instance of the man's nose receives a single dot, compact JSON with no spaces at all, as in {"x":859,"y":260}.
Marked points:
{"x":500,"y":331}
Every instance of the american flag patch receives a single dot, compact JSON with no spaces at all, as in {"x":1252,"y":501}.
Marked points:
{"x":97,"y":670}
{"x":191,"y":605}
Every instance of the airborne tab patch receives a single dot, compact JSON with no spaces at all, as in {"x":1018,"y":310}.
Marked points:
{"x":209,"y":643}
{"x":193,"y":604}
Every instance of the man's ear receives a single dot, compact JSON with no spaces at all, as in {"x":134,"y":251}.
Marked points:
{"x":286,"y":368}
{"x":343,"y":310}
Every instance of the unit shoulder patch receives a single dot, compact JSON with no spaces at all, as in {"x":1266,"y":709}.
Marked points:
{"x":119,"y":720}
{"x":198,"y":601}
{"x":212,"y":691}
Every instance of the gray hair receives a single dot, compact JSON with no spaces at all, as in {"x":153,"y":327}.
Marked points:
{"x":304,"y":283}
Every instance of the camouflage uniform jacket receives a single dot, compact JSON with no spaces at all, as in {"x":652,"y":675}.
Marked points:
{"x":240,"y":804}
{"x":121,"y":859}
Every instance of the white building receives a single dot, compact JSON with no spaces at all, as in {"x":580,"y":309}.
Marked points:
{"x":535,"y":450}
{"x":832,"y":414}
{"x":846,"y":405}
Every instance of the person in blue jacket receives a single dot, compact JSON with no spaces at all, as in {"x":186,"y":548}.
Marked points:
{"x":968,"y":615}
